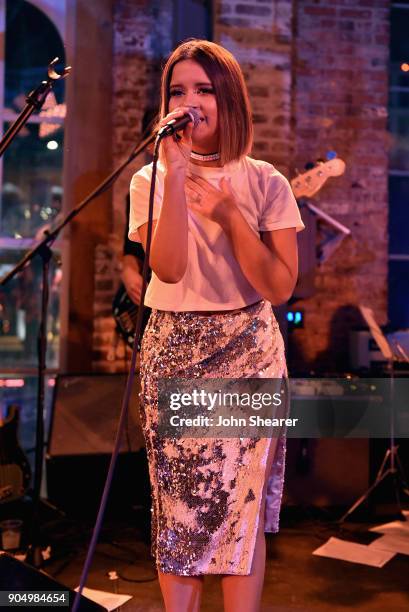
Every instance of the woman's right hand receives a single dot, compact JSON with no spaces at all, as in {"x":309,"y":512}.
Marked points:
{"x":176,"y":150}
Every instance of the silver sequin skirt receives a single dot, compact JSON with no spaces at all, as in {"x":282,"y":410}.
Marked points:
{"x":206,"y":492}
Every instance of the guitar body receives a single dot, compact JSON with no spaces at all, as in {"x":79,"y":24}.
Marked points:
{"x":15,"y":472}
{"x":125,"y":314}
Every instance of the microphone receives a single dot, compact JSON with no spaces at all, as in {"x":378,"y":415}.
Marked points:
{"x":174,"y":125}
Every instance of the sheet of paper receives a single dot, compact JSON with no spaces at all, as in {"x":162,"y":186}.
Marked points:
{"x":393,"y":542}
{"x":394,"y":526}
{"x":355,"y":553}
{"x":110,"y":601}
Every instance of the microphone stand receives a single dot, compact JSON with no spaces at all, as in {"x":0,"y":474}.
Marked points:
{"x":43,"y":249}
{"x":391,"y":464}
{"x":35,"y":101}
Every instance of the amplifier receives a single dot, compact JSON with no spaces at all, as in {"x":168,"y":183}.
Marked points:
{"x":363,"y":350}
{"x":84,"y":421}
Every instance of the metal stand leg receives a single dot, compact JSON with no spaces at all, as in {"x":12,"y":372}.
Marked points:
{"x":391,"y":456}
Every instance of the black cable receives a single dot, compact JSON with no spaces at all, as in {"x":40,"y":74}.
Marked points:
{"x":128,"y":390}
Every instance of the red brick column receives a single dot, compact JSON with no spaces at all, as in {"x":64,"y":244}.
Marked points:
{"x":142,"y":37}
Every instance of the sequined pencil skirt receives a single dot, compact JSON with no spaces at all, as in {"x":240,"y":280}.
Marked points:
{"x":206,"y":492}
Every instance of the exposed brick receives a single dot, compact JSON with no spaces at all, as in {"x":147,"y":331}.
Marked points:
{"x":104,"y":285}
{"x":382,"y":40}
{"x":142,"y":37}
{"x":382,"y":28}
{"x":355,"y":14}
{"x":260,"y":11}
{"x":258,"y":91}
{"x":328,"y":23}
{"x":259,"y":118}
{"x":280,"y":120}
{"x":319,"y":11}
{"x":261,"y":146}
{"x":346,"y":25}
{"x":224,"y":8}
{"x":373,"y":3}
{"x":237,"y":22}
{"x":104,"y":324}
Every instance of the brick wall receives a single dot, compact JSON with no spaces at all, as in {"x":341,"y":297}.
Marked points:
{"x":340,"y":103}
{"x":260,"y":37}
{"x":317,"y":77}
{"x":107,"y":351}
{"x":142,"y":37}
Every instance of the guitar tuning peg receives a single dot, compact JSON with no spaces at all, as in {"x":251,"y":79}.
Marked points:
{"x":331,"y":155}
{"x":320,"y":160}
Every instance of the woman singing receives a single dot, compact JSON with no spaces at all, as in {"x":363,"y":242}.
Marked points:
{"x":223,"y":250}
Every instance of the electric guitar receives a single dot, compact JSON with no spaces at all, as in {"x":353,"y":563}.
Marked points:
{"x":15,"y":472}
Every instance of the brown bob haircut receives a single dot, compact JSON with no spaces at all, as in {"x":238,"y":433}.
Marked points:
{"x":233,"y":105}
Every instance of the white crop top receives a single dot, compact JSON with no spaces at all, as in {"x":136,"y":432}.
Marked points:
{"x":213,"y":279}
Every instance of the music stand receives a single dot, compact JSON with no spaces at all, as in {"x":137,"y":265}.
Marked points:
{"x":391,"y":463}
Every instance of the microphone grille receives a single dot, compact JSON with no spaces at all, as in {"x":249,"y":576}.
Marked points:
{"x":195,"y":116}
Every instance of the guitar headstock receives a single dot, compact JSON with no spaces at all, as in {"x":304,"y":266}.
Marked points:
{"x":310,"y":182}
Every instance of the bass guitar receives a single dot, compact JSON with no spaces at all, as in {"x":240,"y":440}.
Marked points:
{"x":125,"y":313}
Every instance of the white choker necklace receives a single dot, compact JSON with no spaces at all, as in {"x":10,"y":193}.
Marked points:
{"x":205,"y":158}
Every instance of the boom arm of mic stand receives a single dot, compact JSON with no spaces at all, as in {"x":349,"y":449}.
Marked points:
{"x":51,"y":235}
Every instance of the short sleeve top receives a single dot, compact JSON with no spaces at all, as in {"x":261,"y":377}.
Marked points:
{"x":213,"y":279}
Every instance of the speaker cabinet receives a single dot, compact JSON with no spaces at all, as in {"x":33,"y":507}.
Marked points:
{"x":326,"y":472}
{"x":84,"y":421}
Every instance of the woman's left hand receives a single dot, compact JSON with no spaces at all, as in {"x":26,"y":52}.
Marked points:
{"x":215,"y":204}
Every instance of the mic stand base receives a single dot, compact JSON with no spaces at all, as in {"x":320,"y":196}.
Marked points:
{"x":34,"y":556}
{"x":387,"y":468}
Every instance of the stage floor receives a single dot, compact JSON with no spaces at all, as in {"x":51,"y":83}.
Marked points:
{"x":295,"y":579}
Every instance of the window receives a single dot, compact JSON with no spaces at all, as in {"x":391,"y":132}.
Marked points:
{"x":399,"y":167}
{"x":30,"y":175}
